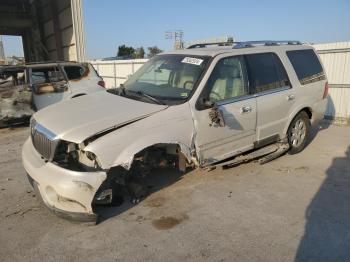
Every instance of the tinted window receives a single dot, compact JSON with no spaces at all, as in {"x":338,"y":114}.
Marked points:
{"x":228,"y":79}
{"x":266,"y":72}
{"x":306,"y":66}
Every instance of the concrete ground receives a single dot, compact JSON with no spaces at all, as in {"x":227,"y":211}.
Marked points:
{"x":295,"y":208}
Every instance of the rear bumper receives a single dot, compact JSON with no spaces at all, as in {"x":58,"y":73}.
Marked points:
{"x":67,"y":193}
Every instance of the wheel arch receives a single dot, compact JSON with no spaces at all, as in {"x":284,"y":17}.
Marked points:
{"x":306,"y":109}
{"x":126,"y":158}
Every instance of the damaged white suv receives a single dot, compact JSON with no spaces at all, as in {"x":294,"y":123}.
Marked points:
{"x":199,"y":107}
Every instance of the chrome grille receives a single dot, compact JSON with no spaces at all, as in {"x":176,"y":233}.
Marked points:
{"x":44,"y":141}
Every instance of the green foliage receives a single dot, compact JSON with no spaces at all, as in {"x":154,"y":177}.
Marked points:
{"x":153,"y":50}
{"x":125,"y":51}
{"x":139,"y":53}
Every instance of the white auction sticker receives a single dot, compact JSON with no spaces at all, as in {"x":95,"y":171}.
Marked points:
{"x":192,"y":60}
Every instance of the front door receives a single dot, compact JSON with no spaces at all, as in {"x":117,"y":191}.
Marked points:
{"x":227,"y":87}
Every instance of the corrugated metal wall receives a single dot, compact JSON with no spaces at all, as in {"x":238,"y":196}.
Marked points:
{"x":336,"y":60}
{"x":62,"y":29}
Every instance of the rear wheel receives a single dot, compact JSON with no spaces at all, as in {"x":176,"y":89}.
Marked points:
{"x":298,"y":132}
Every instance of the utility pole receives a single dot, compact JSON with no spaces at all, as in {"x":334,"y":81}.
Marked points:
{"x":177,"y":36}
{"x":2,"y":52}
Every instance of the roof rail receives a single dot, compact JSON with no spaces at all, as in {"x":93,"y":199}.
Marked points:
{"x":219,"y":41}
{"x":265,"y":43}
{"x":208,"y":44}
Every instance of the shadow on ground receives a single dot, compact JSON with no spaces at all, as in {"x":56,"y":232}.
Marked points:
{"x":327,"y":230}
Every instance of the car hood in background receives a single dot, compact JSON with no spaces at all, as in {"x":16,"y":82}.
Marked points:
{"x":79,"y":118}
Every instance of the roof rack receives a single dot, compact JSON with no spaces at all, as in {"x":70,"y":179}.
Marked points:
{"x":218,"y":41}
{"x":203,"y":45}
{"x":265,"y":43}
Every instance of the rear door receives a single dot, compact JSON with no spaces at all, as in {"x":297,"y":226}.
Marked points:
{"x":228,"y":87}
{"x":274,"y":94}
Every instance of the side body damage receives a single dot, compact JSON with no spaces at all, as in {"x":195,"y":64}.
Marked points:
{"x":114,"y":162}
{"x":130,"y":161}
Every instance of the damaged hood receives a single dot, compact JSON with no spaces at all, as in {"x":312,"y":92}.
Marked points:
{"x":79,"y":118}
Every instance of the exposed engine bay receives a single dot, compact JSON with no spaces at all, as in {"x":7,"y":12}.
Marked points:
{"x":121,"y":183}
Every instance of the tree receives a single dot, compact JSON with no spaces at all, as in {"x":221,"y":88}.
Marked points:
{"x":153,"y":50}
{"x":139,"y":53}
{"x":125,"y":51}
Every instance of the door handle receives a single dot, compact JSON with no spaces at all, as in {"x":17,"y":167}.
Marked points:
{"x":245,"y":109}
{"x":290,"y":97}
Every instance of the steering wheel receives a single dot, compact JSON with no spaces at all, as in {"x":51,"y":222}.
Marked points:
{"x":187,"y":82}
{"x":214,"y":96}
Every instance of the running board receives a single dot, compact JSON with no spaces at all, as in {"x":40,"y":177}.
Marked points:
{"x":264,"y":155}
{"x":283,"y":148}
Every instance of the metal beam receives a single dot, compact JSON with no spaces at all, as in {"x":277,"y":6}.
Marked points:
{"x":14,"y":21}
{"x":57,"y":30}
{"x":78,"y":28}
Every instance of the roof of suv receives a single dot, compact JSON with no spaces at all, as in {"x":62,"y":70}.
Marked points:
{"x":214,"y":51}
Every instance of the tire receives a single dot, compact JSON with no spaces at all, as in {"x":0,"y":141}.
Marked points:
{"x":299,"y":132}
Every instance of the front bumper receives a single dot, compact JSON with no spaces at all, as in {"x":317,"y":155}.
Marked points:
{"x":67,"y":193}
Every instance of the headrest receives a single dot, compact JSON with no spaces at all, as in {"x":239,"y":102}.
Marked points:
{"x":229,"y":71}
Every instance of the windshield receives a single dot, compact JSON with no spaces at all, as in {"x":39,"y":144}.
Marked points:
{"x":168,"y":78}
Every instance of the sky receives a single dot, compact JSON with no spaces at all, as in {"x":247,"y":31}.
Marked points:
{"x":111,"y":23}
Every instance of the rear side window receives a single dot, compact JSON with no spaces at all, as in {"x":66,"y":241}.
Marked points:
{"x":266,"y":72}
{"x":306,"y":66}
{"x":74,"y":72}
{"x":46,"y":75}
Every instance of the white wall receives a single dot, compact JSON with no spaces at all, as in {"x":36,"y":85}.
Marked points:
{"x":336,"y":61}
{"x":115,"y":72}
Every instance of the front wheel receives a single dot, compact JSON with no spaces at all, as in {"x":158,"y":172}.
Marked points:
{"x":298,"y":132}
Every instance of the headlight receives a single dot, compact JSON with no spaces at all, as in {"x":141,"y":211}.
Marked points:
{"x":90,"y":155}
{"x":88,"y":159}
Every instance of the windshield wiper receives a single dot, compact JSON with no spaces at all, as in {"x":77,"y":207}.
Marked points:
{"x":148,"y":96}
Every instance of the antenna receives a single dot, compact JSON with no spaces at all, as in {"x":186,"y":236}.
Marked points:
{"x":177,"y":36}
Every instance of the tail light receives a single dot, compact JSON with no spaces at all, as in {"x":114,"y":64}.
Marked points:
{"x":325,"y":93}
{"x":102,"y":83}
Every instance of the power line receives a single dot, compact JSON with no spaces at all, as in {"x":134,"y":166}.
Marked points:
{"x":177,"y":36}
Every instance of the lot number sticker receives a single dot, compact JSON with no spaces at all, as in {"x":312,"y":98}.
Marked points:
{"x":192,"y":61}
